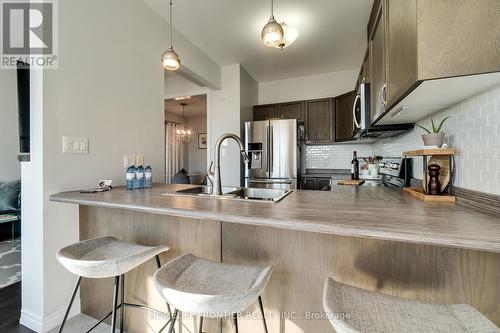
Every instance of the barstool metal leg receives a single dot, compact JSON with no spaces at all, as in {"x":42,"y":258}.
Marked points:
{"x":235,"y":322}
{"x":200,"y":330}
{"x":158,"y":265}
{"x":172,"y":323}
{"x":115,"y":303}
{"x":122,"y":297}
{"x":70,"y":303}
{"x":262,"y":312}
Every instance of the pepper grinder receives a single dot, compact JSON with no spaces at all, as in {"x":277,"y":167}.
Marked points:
{"x":434,"y":186}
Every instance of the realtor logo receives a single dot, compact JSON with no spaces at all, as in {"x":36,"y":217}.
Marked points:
{"x":29,"y":33}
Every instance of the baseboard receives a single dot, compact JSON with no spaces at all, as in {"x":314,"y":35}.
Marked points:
{"x":43,"y":325}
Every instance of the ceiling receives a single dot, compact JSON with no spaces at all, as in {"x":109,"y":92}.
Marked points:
{"x":332,"y":33}
{"x":196,"y":106}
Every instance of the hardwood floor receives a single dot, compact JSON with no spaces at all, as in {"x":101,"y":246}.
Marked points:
{"x":10,"y":310}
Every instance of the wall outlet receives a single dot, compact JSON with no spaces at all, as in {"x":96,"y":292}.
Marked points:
{"x":75,"y":145}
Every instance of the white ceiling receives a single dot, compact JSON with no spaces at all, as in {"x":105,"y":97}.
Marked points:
{"x":196,"y":106}
{"x":332,"y":33}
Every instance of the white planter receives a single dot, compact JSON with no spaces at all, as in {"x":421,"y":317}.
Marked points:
{"x":433,"y":139}
{"x":373,"y":169}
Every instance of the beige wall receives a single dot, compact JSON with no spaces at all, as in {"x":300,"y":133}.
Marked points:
{"x":307,"y":87}
{"x":197,"y":157}
{"x":10,"y":169}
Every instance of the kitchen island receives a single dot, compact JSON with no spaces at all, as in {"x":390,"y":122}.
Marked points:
{"x":372,"y":237}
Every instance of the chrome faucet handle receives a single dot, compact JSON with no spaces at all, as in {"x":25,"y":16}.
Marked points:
{"x":246,"y":159}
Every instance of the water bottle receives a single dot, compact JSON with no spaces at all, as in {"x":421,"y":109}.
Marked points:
{"x":130,"y":177}
{"x":139,"y":177}
{"x":148,"y":176}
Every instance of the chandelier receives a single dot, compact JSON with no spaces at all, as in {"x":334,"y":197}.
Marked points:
{"x":184,"y":134}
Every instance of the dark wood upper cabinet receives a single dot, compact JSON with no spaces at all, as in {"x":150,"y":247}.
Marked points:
{"x":319,"y":121}
{"x":411,"y":42}
{"x":292,"y":110}
{"x":264,"y":112}
{"x":377,"y":65}
{"x":343,"y":116}
{"x":401,"y":32}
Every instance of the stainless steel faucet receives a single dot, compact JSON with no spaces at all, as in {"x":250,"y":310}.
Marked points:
{"x":214,"y":177}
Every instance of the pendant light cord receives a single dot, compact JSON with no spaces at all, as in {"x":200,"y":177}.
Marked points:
{"x":171,"y":26}
{"x":272,"y":8}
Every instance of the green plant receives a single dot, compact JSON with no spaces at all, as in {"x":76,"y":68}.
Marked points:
{"x":434,"y":128}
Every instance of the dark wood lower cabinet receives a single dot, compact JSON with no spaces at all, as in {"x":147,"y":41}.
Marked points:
{"x":314,"y":183}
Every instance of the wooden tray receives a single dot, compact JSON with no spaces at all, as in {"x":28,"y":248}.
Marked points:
{"x":351,"y":182}
{"x":419,"y":194}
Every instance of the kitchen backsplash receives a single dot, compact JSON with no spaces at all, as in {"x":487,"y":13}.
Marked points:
{"x":473,"y":130}
{"x":334,"y":156}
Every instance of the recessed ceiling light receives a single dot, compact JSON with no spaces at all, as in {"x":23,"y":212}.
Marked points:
{"x":181,"y":98}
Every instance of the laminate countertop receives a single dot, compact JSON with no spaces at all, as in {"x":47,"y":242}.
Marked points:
{"x":370,"y":212}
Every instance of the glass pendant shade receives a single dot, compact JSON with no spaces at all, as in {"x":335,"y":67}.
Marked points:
{"x":170,"y":60}
{"x":272,"y":33}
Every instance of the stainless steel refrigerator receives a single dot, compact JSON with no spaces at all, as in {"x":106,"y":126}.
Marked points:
{"x":272,"y":148}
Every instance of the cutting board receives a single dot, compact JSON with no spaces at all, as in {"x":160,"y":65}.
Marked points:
{"x":350,"y":182}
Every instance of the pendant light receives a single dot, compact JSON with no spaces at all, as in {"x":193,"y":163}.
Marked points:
{"x":170,"y":60}
{"x":290,"y":35}
{"x":184,"y":134}
{"x":272,"y":33}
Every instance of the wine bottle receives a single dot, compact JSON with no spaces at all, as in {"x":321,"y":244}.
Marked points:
{"x":354,"y":166}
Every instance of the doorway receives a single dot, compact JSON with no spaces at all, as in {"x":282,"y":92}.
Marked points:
{"x":186,"y":139}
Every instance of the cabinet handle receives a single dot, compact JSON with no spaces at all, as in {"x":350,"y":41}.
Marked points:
{"x":354,"y":111}
{"x":381,"y":95}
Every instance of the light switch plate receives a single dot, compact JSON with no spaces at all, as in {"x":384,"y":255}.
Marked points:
{"x":75,"y":145}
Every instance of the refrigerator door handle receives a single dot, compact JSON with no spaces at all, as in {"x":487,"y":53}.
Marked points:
{"x":268,"y":154}
{"x":271,"y":150}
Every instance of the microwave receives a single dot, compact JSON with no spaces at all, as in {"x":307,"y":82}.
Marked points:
{"x":362,"y":119}
{"x":361,"y":109}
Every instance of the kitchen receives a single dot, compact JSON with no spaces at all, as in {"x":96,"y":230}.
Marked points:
{"x":280,"y":145}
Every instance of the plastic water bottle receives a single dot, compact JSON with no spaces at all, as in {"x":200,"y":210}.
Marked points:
{"x":139,"y":177}
{"x":148,"y":176}
{"x":130,"y":177}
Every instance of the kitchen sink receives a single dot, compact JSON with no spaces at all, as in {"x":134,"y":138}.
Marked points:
{"x":235,"y":193}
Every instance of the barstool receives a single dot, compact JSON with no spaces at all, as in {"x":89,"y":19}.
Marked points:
{"x":103,"y":258}
{"x":352,"y":309}
{"x":206,"y":288}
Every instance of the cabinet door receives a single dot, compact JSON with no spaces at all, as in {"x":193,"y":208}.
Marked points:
{"x":319,"y":121}
{"x":264,"y":112}
{"x":308,"y":183}
{"x":401,"y":47}
{"x":343,"y":117}
{"x":294,"y":110}
{"x":377,"y":54}
{"x":323,"y":182}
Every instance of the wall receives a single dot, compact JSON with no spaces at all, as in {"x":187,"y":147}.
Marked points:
{"x":197,"y":157}
{"x":308,"y":87}
{"x":474,"y":131}
{"x":111,"y":92}
{"x":225,"y":118}
{"x":337,"y":156}
{"x":10,"y":169}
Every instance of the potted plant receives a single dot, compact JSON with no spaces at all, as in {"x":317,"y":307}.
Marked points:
{"x":434,"y":137}
{"x":372,"y":162}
